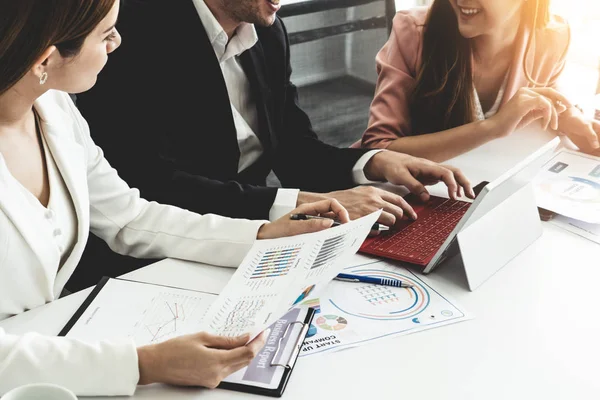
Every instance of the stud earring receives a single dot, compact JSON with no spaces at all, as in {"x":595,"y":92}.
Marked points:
{"x":43,"y":78}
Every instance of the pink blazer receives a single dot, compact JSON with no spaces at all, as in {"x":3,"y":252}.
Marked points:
{"x":399,"y":60}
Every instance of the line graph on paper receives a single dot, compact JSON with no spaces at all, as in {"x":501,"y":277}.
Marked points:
{"x":167,"y":316}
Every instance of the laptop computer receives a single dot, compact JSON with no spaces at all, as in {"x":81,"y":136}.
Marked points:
{"x":429,"y":240}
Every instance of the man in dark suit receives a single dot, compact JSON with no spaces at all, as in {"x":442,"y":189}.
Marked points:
{"x":197,"y":107}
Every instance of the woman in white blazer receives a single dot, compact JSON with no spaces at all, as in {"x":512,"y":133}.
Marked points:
{"x":55,"y":185}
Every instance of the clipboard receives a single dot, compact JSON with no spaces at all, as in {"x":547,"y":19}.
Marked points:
{"x":283,"y":345}
{"x":98,"y":288}
{"x":287,"y":349}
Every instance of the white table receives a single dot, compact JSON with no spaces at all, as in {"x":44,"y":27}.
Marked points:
{"x":535,"y":334}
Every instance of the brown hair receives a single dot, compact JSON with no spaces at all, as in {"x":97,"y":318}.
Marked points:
{"x":29,"y":27}
{"x":443,"y":97}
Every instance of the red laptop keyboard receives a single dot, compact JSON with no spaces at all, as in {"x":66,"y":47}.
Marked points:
{"x":416,"y":242}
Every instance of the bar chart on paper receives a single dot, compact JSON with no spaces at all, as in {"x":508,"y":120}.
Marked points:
{"x":275,"y":262}
{"x":330,"y":251}
{"x":270,"y":264}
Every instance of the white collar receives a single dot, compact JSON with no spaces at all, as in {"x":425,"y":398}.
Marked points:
{"x":245,"y":35}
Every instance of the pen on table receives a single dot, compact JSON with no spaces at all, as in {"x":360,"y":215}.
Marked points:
{"x":373,"y":280}
{"x":302,"y":217}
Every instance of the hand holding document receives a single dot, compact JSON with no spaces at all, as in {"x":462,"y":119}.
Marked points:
{"x":275,"y":275}
{"x":278,"y":273}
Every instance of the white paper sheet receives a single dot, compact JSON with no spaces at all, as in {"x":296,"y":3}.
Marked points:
{"x":352,"y":314}
{"x":583,"y":229}
{"x":278,"y":273}
{"x":275,"y":275}
{"x":150,"y":313}
{"x":144,"y":312}
{"x":569,"y":185}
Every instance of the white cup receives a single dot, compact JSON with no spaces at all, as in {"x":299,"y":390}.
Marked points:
{"x":40,"y":391}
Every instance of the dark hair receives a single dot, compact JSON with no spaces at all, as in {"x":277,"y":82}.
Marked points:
{"x":29,"y":27}
{"x":443,"y":97}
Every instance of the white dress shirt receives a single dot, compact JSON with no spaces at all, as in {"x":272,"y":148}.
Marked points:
{"x":243,"y":107}
{"x":59,"y":216}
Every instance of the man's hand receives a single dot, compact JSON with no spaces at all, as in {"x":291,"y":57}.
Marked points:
{"x":415,"y":173}
{"x":363,"y":200}
{"x":399,"y":169}
{"x":284,"y":226}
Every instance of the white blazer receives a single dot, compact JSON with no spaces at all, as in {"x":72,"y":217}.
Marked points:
{"x":104,"y":203}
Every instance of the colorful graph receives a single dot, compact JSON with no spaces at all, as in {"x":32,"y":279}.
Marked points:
{"x":329,"y":251}
{"x":275,"y":262}
{"x":377,"y":295}
{"x":331,"y":322}
{"x":313,"y":303}
{"x":379,"y":302}
{"x":353,"y":313}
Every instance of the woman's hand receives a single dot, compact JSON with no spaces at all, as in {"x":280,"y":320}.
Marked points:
{"x":529,"y":105}
{"x":200,"y":359}
{"x":284,"y":226}
{"x":583,"y":132}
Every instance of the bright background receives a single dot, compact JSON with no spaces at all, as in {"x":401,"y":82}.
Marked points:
{"x":584,"y":55}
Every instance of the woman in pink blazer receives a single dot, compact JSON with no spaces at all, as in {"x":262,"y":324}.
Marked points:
{"x":464,"y":72}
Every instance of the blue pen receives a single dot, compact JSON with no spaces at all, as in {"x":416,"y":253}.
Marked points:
{"x":373,"y":280}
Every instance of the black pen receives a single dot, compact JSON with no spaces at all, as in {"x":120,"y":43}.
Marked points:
{"x":303,"y":217}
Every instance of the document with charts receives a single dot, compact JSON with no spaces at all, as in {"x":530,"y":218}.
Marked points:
{"x":150,"y":313}
{"x":274,"y":275}
{"x":145,"y":312}
{"x":279,"y":273}
{"x":569,"y":185}
{"x":353,"y":314}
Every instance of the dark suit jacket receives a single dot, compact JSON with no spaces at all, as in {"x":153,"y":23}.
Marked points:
{"x":161,"y":112}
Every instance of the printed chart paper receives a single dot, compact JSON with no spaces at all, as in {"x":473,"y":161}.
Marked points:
{"x":274,"y":276}
{"x":278,"y":273}
{"x":150,"y":314}
{"x":144,"y":312}
{"x":569,"y":185}
{"x":350,"y":314}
